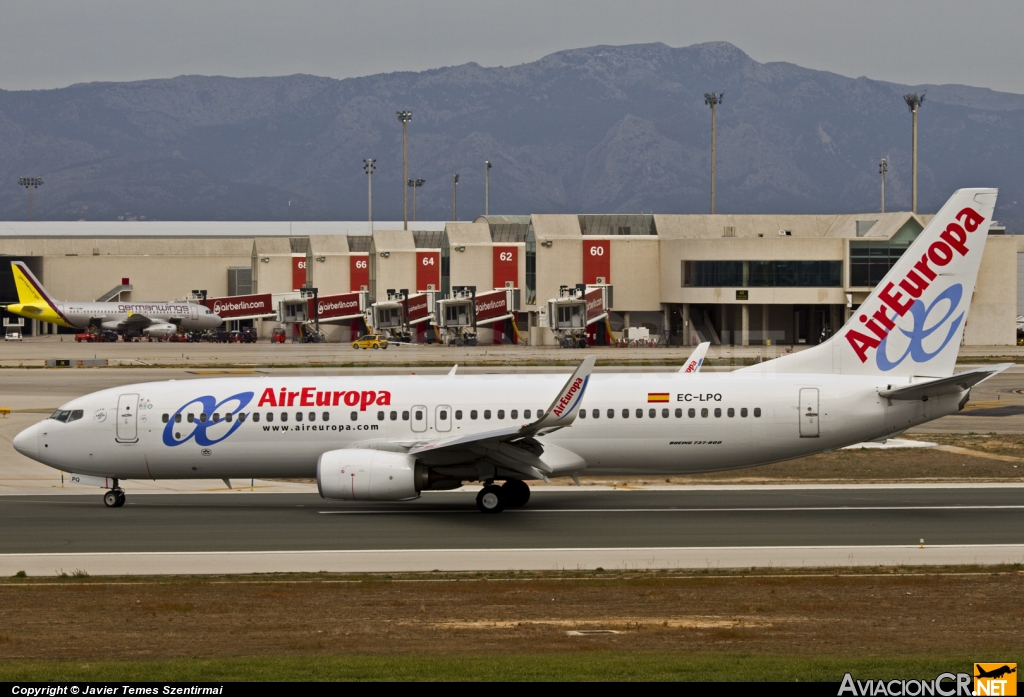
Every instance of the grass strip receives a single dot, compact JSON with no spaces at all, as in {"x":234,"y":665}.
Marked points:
{"x":583,"y":665}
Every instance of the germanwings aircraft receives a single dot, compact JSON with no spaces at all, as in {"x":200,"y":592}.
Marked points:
{"x":130,"y":319}
{"x":389,"y":438}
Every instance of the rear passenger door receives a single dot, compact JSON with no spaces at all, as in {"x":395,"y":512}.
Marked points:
{"x":809,"y":412}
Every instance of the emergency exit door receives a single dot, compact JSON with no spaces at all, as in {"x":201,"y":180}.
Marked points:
{"x":809,"y":412}
{"x":443,"y":418}
{"x":419,"y":419}
{"x":127,"y":428}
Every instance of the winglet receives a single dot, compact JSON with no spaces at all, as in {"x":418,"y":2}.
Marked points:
{"x":696,"y":359}
{"x":454,"y":368}
{"x":563,"y":410}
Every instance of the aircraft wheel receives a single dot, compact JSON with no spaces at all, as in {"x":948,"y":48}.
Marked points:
{"x":111,"y":499}
{"x":516,"y":492}
{"x":491,"y":499}
{"x":120,"y":498}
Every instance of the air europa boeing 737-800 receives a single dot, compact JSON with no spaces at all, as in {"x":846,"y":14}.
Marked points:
{"x":156,"y":319}
{"x":389,"y":438}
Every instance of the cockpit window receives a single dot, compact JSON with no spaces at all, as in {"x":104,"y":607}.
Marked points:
{"x":75,"y":415}
{"x":61,"y":415}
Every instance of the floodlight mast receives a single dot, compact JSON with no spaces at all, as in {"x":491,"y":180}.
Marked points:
{"x":30,"y":183}
{"x":487,"y":187}
{"x":405,"y":117}
{"x":713,"y":99}
{"x":369,"y":165}
{"x":883,"y":167}
{"x":415,"y":184}
{"x":455,"y":186}
{"x":914,"y":103}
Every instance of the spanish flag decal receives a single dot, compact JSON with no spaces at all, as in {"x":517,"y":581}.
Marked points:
{"x":657,"y":396}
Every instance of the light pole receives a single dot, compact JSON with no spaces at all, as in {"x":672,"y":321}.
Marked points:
{"x":883,"y":167}
{"x":30,"y":183}
{"x":914,"y":103}
{"x":415,"y":184}
{"x":713,"y":99}
{"x":455,"y":186}
{"x":368,"y":166}
{"x":487,"y":187}
{"x":405,"y":117}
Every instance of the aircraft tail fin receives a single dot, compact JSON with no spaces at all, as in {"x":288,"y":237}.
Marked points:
{"x":913,"y":321}
{"x":30,"y":290}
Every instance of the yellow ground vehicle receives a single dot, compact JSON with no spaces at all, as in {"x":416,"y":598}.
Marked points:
{"x":374,"y":341}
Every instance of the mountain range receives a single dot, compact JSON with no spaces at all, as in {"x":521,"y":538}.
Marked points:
{"x":606,"y":129}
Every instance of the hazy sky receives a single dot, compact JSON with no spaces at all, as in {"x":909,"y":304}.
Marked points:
{"x":54,"y":43}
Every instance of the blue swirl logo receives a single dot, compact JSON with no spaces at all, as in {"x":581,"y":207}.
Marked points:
{"x":200,"y":429}
{"x":922,"y":330}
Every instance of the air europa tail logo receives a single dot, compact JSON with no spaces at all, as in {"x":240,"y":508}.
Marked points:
{"x":952,"y":241}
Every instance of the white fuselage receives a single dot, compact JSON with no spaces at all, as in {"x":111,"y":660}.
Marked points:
{"x":189,"y":316}
{"x":702,"y":427}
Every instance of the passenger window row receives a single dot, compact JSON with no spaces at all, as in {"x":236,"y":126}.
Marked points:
{"x":216,"y":417}
{"x":653,"y":413}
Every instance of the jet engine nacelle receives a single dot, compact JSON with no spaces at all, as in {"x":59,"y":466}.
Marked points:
{"x":369,"y":475}
{"x":160,"y":329}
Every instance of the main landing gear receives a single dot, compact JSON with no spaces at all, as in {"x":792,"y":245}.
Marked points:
{"x":115,"y":497}
{"x":494,"y":499}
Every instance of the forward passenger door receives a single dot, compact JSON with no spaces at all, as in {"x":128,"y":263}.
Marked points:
{"x":127,"y":414}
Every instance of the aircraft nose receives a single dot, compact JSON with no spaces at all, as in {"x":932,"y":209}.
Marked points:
{"x":27,"y":442}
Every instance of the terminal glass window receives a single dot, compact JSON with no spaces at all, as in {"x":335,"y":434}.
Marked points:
{"x":871,"y":260}
{"x":762,"y":274}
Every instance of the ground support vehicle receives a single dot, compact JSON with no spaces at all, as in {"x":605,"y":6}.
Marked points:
{"x":371,"y":341}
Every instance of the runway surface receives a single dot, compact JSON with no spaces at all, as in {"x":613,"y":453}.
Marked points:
{"x":215,"y":533}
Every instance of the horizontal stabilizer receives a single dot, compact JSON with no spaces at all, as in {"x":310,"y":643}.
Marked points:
{"x":952,"y":385}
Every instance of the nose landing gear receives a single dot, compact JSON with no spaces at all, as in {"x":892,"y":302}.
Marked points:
{"x":115,"y":497}
{"x":494,"y":499}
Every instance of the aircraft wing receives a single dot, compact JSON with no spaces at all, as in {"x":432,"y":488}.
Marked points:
{"x":943,"y":386}
{"x":137,"y":321}
{"x":515,"y":448}
{"x":696,"y":359}
{"x":561,"y":413}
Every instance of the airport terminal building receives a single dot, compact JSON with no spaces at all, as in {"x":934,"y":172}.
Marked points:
{"x":728,"y":279}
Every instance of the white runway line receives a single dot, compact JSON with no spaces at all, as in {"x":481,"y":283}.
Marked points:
{"x":425,"y":560}
{"x":786,"y":509}
{"x":11,"y":487}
